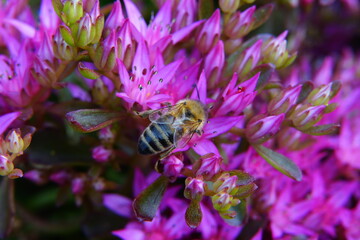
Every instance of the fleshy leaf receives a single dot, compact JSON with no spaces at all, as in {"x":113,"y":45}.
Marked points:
{"x":147,"y":203}
{"x":262,"y":15}
{"x":58,"y":6}
{"x":323,"y":129}
{"x":206,"y":9}
{"x":87,"y":72}
{"x":89,"y":120}
{"x":193,"y":214}
{"x":245,"y":191}
{"x":66,"y":34}
{"x":306,"y":89}
{"x":240,"y":211}
{"x":279,"y":162}
{"x":7,"y":208}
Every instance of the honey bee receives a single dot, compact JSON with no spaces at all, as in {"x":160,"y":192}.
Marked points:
{"x":171,"y":127}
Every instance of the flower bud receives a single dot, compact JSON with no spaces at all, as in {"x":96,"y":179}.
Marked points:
{"x":240,"y":23}
{"x":84,"y":32}
{"x":6,"y":166}
{"x":209,"y":34}
{"x":226,"y":183}
{"x":172,"y":167}
{"x":16,"y":173}
{"x":98,"y":22}
{"x":125,"y":44}
{"x":248,"y":59}
{"x":283,"y":101}
{"x":194,"y":188}
{"x":35,"y":176}
{"x":101,"y":154}
{"x":62,"y":49}
{"x":214,"y":63}
{"x":210,"y":165}
{"x":106,"y":135}
{"x":274,"y":51}
{"x":229,"y":6}
{"x":72,"y":11}
{"x":185,"y":14}
{"x":60,"y":177}
{"x":115,"y":18}
{"x":78,"y":185}
{"x":104,"y":56}
{"x":260,"y":130}
{"x":306,"y":116}
{"x":15,"y":143}
{"x":223,"y":201}
{"x":320,"y":95}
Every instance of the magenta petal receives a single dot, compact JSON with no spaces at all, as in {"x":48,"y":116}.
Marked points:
{"x":24,"y":28}
{"x":78,"y":92}
{"x":118,"y":204}
{"x":219,"y":125}
{"x":130,"y":234}
{"x":165,"y":74}
{"x":141,"y":64}
{"x":199,"y":92}
{"x":204,"y":147}
{"x":163,"y":16}
{"x":135,"y":17}
{"x":123,"y":75}
{"x":184,"y":32}
{"x":7,"y":119}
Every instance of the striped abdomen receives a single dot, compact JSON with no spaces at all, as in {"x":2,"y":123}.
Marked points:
{"x":156,"y":138}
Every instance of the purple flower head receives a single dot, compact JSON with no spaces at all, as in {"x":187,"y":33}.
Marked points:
{"x":240,"y":23}
{"x":209,"y":34}
{"x":144,"y":84}
{"x":260,"y":129}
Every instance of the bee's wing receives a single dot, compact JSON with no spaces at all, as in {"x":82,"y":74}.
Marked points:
{"x":181,"y":138}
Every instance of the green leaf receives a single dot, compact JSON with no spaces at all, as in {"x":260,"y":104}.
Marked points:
{"x":87,"y":72}
{"x":279,"y":162}
{"x":7,"y":206}
{"x":206,"y":8}
{"x":262,"y":15}
{"x":147,"y":203}
{"x":193,"y":214}
{"x":240,"y":211}
{"x":323,"y":129}
{"x":58,"y":6}
{"x":331,"y":107}
{"x":306,"y":89}
{"x":90,"y":120}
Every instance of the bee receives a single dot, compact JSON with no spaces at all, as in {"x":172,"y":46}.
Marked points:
{"x":172,"y":127}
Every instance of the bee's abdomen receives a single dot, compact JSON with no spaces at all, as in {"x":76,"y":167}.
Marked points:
{"x":156,"y":138}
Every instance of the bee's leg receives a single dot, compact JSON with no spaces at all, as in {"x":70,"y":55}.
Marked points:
{"x":199,"y":132}
{"x":145,"y":114}
{"x":166,"y":153}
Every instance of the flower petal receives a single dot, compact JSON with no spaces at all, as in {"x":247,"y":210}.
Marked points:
{"x":119,"y":204}
{"x":7,"y":119}
{"x":219,"y":125}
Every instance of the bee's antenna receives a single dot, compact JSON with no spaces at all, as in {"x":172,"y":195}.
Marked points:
{"x":197,"y":90}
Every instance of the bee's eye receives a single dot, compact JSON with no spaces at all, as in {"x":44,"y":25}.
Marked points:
{"x":199,"y":120}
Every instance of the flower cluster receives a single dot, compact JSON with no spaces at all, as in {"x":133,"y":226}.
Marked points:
{"x":277,"y":151}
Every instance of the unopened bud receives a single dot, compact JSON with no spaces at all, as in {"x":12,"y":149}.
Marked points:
{"x":101,"y":154}
{"x":78,"y":185}
{"x":15,"y":143}
{"x":240,"y":23}
{"x":248,"y":59}
{"x":62,"y":49}
{"x":283,"y":101}
{"x":6,"y":166}
{"x":306,"y":116}
{"x":84,"y":32}
{"x":260,"y":130}
{"x":172,"y":166}
{"x":274,"y":51}
{"x":320,"y":95}
{"x":194,"y":188}
{"x":72,"y":11}
{"x":229,"y":6}
{"x":209,"y":34}
{"x":16,"y":173}
{"x":210,"y":165}
{"x":226,"y":183}
{"x":223,"y":201}
{"x":106,"y":135}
